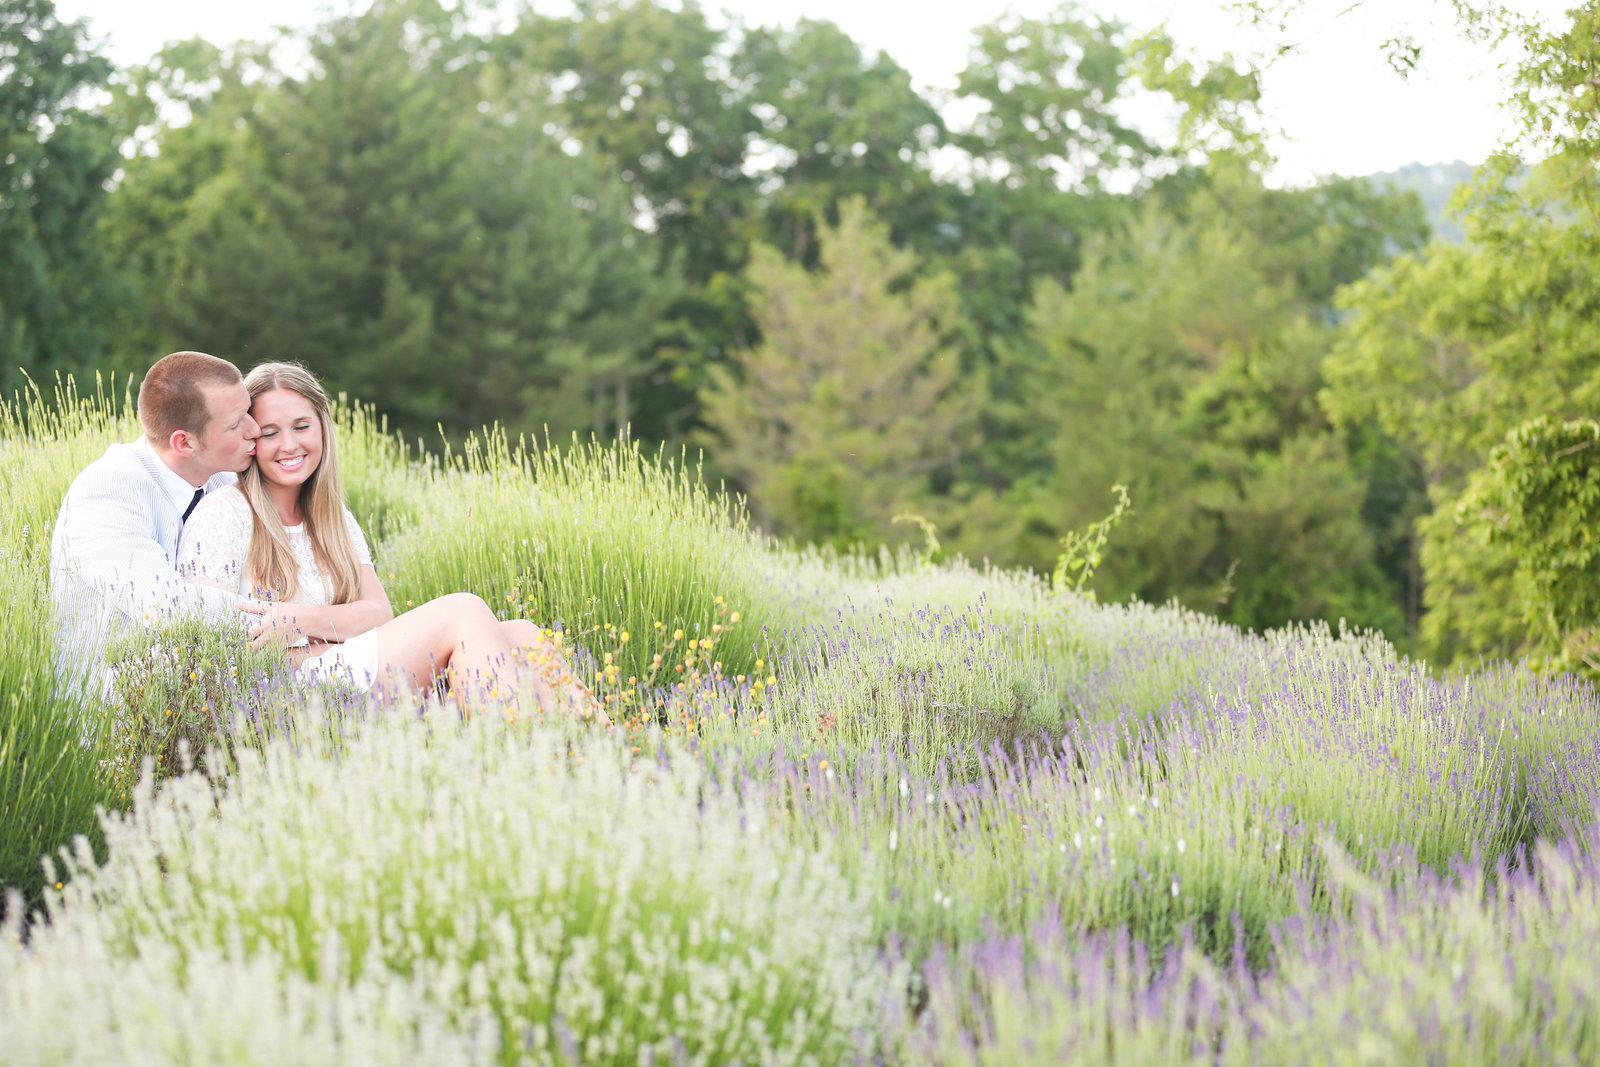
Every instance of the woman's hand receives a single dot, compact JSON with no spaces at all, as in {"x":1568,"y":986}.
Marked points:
{"x":277,"y":627}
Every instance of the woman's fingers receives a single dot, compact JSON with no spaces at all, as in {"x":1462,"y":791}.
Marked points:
{"x":254,"y":607}
{"x":275,"y":627}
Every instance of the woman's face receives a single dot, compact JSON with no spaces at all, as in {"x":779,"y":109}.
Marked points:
{"x":290,"y":446}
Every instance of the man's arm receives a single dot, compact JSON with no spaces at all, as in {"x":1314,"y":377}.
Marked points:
{"x":106,"y":539}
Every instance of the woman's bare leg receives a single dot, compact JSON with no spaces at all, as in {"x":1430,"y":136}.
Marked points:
{"x":456,"y":633}
{"x":459,"y":633}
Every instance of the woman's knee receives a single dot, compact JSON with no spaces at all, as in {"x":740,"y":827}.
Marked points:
{"x":520,"y":632}
{"x":464,"y":614}
{"x":465,"y":606}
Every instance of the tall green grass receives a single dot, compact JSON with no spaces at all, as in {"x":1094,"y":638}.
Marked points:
{"x":50,"y":748}
{"x":589,"y":535}
{"x":51,"y":744}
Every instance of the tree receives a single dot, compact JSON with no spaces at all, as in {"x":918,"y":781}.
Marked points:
{"x":1448,"y":351}
{"x":644,"y":88}
{"x":1047,"y":90}
{"x":835,"y":124}
{"x":1453,"y":349}
{"x":57,"y":297}
{"x":1184,"y":362}
{"x":1533,"y":505}
{"x":391,"y":222}
{"x":851,"y":401}
{"x":1044,"y":139}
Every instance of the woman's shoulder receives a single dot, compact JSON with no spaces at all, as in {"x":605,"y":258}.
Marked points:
{"x":225,"y":503}
{"x":216,"y":537}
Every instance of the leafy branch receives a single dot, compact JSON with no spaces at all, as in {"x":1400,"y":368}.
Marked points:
{"x":1082,"y":552}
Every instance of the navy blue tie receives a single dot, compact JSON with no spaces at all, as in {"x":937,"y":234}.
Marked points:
{"x":198,"y":493}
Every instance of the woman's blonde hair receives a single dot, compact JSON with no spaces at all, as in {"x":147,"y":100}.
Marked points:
{"x":271,"y":561}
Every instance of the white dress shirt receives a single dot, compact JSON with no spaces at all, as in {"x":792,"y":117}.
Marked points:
{"x":112,"y":556}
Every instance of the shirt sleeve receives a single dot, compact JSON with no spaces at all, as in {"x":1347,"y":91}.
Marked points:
{"x":104,"y":541}
{"x":216,"y":541}
{"x":363,"y":553}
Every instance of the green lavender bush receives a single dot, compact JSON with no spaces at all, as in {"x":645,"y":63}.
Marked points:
{"x":579,"y":908}
{"x":587,"y":535}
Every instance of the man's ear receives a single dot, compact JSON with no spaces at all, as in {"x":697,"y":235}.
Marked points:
{"x":182,"y":443}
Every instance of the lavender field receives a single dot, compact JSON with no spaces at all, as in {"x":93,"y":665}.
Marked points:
{"x":858,"y":809}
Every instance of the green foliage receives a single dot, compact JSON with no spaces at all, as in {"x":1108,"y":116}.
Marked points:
{"x":1217,"y":99}
{"x":640,"y":89}
{"x":1534,"y":503}
{"x":836,"y":123}
{"x":304,"y":235}
{"x":1184,"y":364}
{"x":851,"y":401}
{"x":184,"y":694}
{"x":1451,"y":350}
{"x":930,"y":537}
{"x":50,"y":745}
{"x":1048,"y":88}
{"x":1447,"y":351}
{"x":57,"y":153}
{"x":578,"y":222}
{"x":595,"y":539}
{"x":1554,"y":98}
{"x":1081,"y":552}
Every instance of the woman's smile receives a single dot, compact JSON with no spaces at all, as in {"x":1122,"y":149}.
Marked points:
{"x":290,"y":446}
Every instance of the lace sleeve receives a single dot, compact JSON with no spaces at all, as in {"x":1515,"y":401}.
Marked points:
{"x":363,"y":553}
{"x":216,"y":540}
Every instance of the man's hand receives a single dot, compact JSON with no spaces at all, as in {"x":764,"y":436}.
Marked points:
{"x":277,"y":627}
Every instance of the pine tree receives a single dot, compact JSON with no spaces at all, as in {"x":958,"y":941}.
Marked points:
{"x":850,"y":402}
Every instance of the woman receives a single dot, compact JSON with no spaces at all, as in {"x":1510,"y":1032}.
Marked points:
{"x":282,"y":535}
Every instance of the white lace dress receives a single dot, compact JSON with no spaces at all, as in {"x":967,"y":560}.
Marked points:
{"x":213,"y":549}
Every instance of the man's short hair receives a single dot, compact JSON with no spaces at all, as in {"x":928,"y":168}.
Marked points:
{"x":172,"y":396}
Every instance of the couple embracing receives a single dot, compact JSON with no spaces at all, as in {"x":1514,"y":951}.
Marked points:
{"x":231,"y":502}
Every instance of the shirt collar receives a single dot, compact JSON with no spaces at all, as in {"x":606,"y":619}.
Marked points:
{"x":177,"y":489}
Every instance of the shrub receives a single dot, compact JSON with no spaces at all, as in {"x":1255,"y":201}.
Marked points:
{"x":50,"y":747}
{"x":595,"y":534}
{"x":585,"y":911}
{"x":1460,"y":969}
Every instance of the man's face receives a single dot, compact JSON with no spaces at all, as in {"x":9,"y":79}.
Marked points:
{"x":229,"y":439}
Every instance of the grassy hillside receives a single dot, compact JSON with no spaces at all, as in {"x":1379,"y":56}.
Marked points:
{"x":857,"y":809}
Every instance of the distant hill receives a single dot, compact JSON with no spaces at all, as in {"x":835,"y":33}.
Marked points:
{"x":1434,"y":183}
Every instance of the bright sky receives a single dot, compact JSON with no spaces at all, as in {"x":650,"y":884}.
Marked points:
{"x":1340,"y":108}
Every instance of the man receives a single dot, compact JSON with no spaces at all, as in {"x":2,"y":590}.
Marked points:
{"x":116,"y":536}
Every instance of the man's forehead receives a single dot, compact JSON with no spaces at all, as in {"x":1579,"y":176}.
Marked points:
{"x":227,"y":397}
{"x":226,"y":400}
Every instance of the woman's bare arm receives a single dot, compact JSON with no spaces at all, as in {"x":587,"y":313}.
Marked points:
{"x":326,"y":622}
